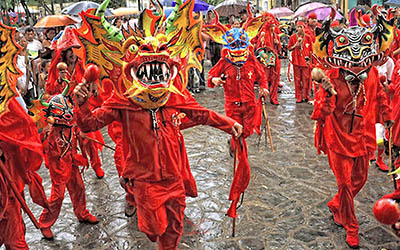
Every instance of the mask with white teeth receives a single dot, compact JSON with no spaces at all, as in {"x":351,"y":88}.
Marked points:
{"x":149,"y":62}
{"x":150,"y":74}
{"x":356,"y":49}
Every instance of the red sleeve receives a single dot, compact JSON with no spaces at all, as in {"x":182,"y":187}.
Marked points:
{"x":292,"y":41}
{"x":383,"y":103}
{"x":211,"y":118}
{"x":323,"y":106}
{"x":216,"y":71}
{"x":89,"y":121}
{"x":261,"y":79}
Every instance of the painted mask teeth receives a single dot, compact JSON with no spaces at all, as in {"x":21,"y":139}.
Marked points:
{"x":153,"y":72}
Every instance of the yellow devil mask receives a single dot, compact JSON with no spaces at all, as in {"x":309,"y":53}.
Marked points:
{"x":145,"y":63}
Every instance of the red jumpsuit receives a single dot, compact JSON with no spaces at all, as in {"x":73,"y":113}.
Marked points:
{"x":302,"y":70}
{"x":272,"y":74}
{"x":63,"y":162}
{"x":240,"y":105}
{"x":347,"y":151}
{"x":88,"y":147}
{"x":240,"y":99}
{"x":22,"y":152}
{"x":155,"y":159}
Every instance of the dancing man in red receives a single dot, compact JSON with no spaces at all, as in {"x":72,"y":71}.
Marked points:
{"x":63,"y":161}
{"x":348,"y":94}
{"x":21,"y":152}
{"x":301,"y":46}
{"x":149,"y":100}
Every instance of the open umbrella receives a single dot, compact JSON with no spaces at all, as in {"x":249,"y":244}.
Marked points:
{"x":281,"y":12}
{"x":54,"y":21}
{"x":125,"y":11}
{"x":76,"y":8}
{"x":307,"y":8}
{"x":198,"y":6}
{"x":230,"y":7}
{"x":324,"y":12}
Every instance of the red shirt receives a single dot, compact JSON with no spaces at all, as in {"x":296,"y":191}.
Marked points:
{"x":336,"y":134}
{"x":300,"y":52}
{"x":242,"y":89}
{"x":153,"y":152}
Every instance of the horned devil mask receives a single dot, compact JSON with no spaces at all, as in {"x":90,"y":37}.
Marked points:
{"x":356,"y":49}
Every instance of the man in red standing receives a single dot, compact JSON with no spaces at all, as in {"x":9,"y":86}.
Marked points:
{"x":301,"y":46}
{"x":312,"y":23}
{"x":345,"y":111}
{"x":268,"y":42}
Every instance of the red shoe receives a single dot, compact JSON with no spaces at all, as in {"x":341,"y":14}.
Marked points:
{"x":99,"y":171}
{"x":90,"y":219}
{"x":352,"y":240}
{"x":381,"y":165}
{"x":47,"y":233}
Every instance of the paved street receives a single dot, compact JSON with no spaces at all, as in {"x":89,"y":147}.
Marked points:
{"x":284,"y":206}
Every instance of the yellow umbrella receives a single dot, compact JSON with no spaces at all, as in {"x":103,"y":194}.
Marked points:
{"x":125,"y":11}
{"x":54,"y":21}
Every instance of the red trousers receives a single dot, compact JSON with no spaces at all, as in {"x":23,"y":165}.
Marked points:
{"x":12,"y":227}
{"x":160,"y":210}
{"x":115,"y":132}
{"x":90,"y":151}
{"x":244,"y":114}
{"x":273,"y":78}
{"x":302,"y":82}
{"x":351,"y":175}
{"x":76,"y":189}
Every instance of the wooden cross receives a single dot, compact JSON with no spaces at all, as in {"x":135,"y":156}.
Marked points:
{"x":353,"y":114}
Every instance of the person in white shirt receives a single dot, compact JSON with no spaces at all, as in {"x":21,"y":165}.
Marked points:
{"x":33,"y":45}
{"x":386,"y":70}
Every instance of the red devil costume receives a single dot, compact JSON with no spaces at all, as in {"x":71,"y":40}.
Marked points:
{"x":20,"y":155}
{"x":237,"y":70}
{"x":269,"y":40}
{"x":346,"y":120}
{"x":148,"y":100}
{"x":20,"y":150}
{"x":74,"y":75}
{"x":157,"y":187}
{"x":301,"y":47}
{"x":63,"y":162}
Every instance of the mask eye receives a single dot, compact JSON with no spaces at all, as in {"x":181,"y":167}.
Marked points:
{"x":57,"y":111}
{"x":243,"y":37}
{"x":133,"y":49}
{"x":162,"y":48}
{"x":367,"y":39}
{"x":342,"y":41}
{"x":229,"y":39}
{"x":146,"y":48}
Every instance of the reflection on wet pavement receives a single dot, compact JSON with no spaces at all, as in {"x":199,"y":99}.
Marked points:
{"x":284,"y":206}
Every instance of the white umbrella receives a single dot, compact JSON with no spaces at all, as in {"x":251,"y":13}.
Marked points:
{"x":230,"y":7}
{"x":306,"y":8}
{"x":281,"y":12}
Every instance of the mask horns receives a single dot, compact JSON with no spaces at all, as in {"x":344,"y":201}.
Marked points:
{"x":66,"y":90}
{"x":333,"y":14}
{"x":45,"y":104}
